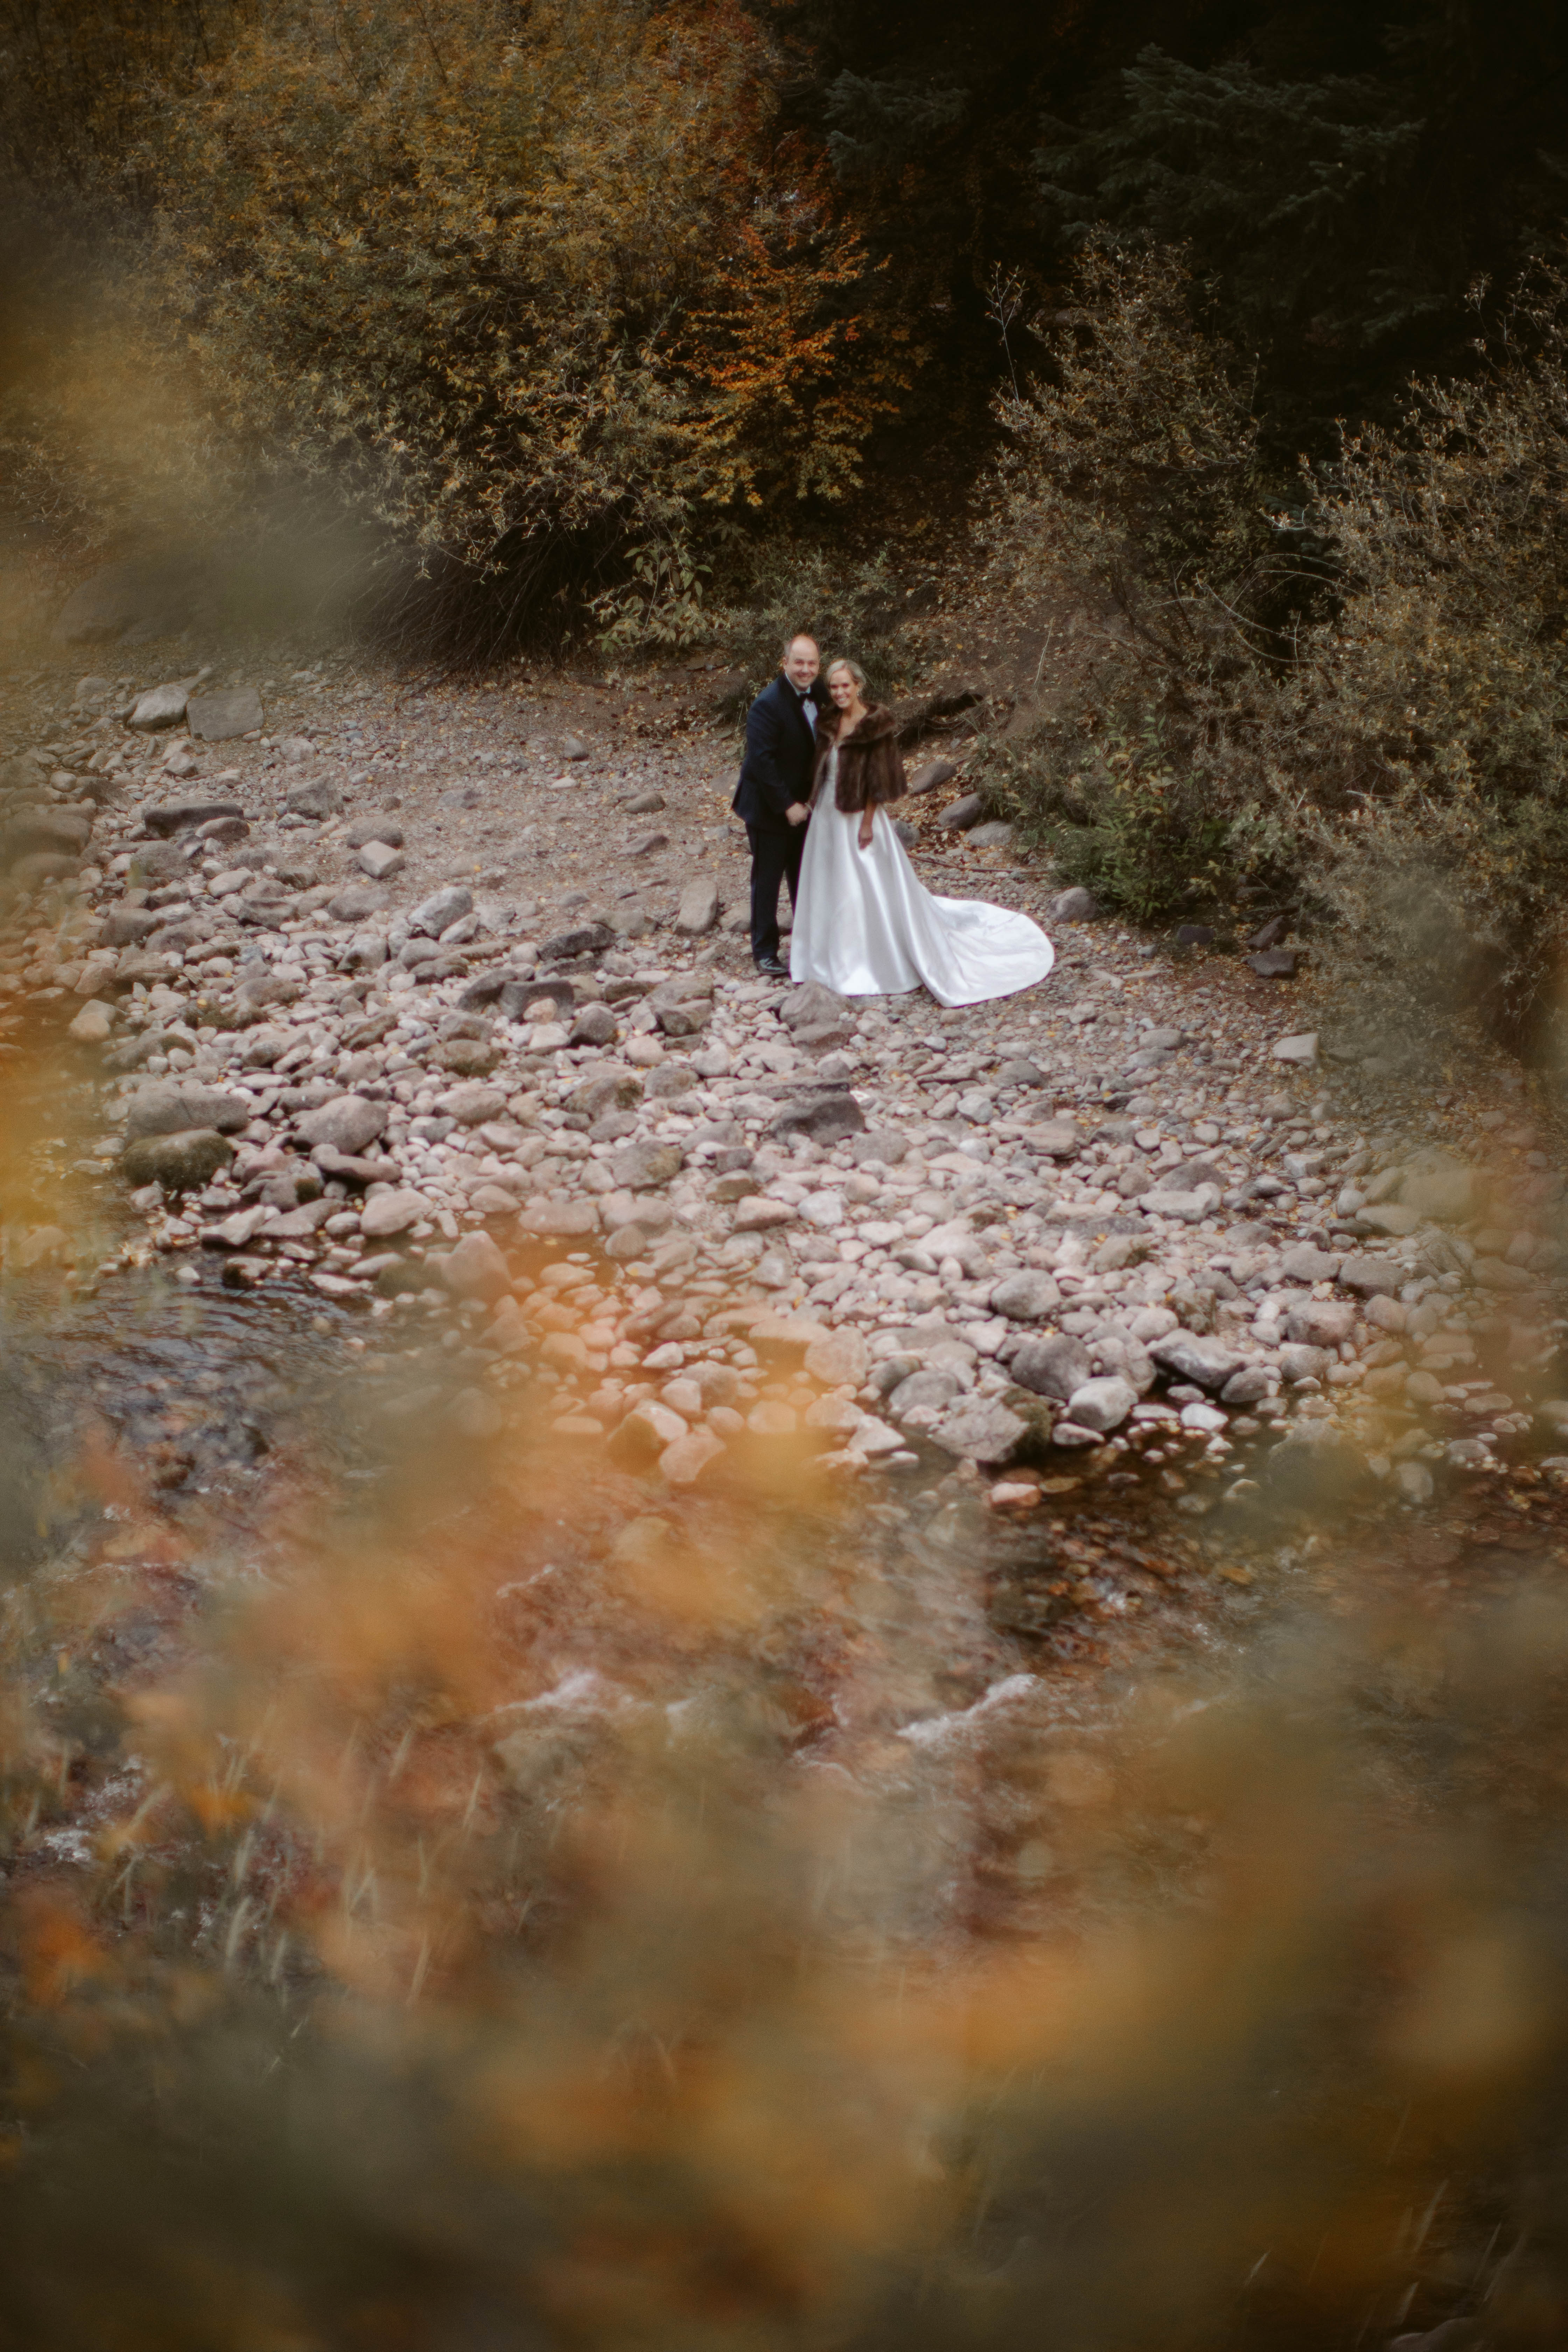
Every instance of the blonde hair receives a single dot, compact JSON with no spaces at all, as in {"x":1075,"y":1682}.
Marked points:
{"x":843,"y":662}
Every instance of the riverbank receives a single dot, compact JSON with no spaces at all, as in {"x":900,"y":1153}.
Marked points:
{"x":433,"y":997}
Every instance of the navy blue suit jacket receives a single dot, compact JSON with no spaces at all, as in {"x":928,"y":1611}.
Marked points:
{"x":781,"y":755}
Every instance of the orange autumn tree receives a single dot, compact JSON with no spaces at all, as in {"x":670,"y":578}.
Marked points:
{"x":539,"y":288}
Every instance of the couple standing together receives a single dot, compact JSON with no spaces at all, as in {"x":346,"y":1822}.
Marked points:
{"x":820,"y":773}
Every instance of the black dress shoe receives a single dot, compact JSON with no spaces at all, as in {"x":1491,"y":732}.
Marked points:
{"x":772,"y":968}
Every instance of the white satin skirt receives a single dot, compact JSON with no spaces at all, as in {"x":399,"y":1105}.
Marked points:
{"x":866,"y":926}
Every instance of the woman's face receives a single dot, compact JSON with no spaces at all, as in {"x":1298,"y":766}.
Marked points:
{"x":841,"y":687}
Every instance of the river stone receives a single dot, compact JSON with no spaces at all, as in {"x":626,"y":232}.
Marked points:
{"x":465,"y":1057}
{"x":1317,"y":1466}
{"x":318,"y":798}
{"x":825,"y":1116}
{"x":980,"y":1430}
{"x":589,"y":938}
{"x":1306,"y":1263}
{"x":179,"y":1162}
{"x":357,"y":901}
{"x":698,"y":908}
{"x":161,"y":706}
{"x":55,"y":830}
{"x":127,"y":927}
{"x":594,"y":1026}
{"x":841,"y":1361}
{"x":927,"y":1388}
{"x":1075,"y":906}
{"x":1300,"y":1052}
{"x":811,"y":1006}
{"x":438,"y":912}
{"x":1249,"y":1386}
{"x":963,"y":816}
{"x":1102,"y":1405}
{"x":381,"y":861}
{"x":166,"y":1106}
{"x":1372,"y":1277}
{"x":610,"y":1090}
{"x":1052,"y":1368}
{"x":1440,"y":1186}
{"x":375,"y":826}
{"x":996,"y":834}
{"x":1297,"y":1363}
{"x":385,"y":1213}
{"x":1057,"y":1139}
{"x":883,"y":1143}
{"x":216,"y":718}
{"x":559,"y":1218}
{"x":1393,"y":1219}
{"x":476,"y":1269}
{"x":348,"y":1122}
{"x":1208,"y":1363}
{"x":1026,"y":1298}
{"x":93,"y":1024}
{"x":1321,"y":1322}
{"x":258,"y":989}
{"x":170,"y":817}
{"x":473,"y":1105}
{"x":646,"y":1167}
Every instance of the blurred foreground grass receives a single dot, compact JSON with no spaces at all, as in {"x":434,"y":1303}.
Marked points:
{"x":437,"y":1926}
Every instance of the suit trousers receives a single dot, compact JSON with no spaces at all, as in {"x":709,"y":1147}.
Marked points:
{"x":776,"y":852}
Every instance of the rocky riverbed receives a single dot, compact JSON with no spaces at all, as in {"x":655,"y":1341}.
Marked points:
{"x":434,"y":998}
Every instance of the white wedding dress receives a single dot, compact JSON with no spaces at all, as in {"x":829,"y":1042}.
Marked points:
{"x":866,"y":925}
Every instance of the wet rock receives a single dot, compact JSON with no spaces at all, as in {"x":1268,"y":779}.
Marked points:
{"x":217,"y":718}
{"x":698,"y":908}
{"x":1321,"y":1322}
{"x":1208,"y":1363}
{"x":1025,"y":1297}
{"x":161,"y":706}
{"x":93,"y":1025}
{"x":1440,"y":1186}
{"x":348,"y":1122}
{"x":980,"y":1430}
{"x":179,"y":1162}
{"x":1102,"y":1405}
{"x":1316,"y":1466}
{"x":475,"y":1268}
{"x":840,"y":1360}
{"x":1052,"y":1368}
{"x":165,"y":1106}
{"x":170,"y":817}
{"x":1249,"y":1386}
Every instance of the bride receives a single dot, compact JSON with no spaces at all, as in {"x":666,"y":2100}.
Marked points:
{"x":865,"y":925}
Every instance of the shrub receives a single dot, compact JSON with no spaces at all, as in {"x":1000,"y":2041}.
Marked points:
{"x":1357,"y":678}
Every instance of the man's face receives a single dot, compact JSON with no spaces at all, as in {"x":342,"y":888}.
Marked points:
{"x":801,"y":663}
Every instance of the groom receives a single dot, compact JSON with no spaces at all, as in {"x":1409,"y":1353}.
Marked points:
{"x":773,"y":794}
